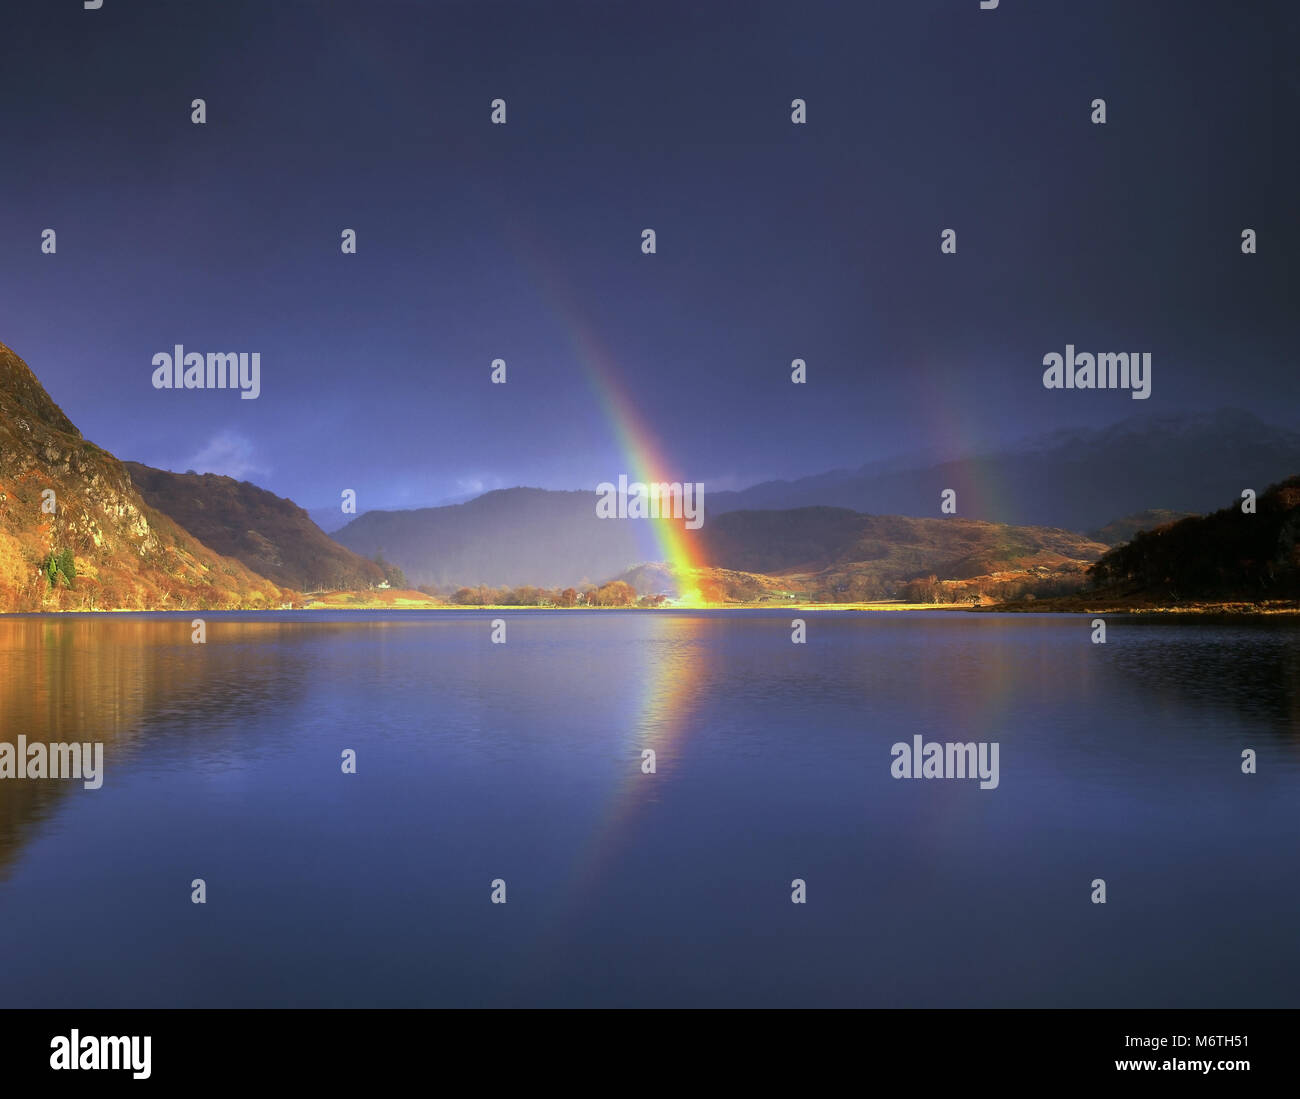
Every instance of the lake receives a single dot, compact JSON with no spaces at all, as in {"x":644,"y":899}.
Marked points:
{"x":522,"y":763}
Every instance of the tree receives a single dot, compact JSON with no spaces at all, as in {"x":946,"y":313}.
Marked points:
{"x":617,"y":593}
{"x":60,"y":563}
{"x":392,"y":573}
{"x":922,"y":590}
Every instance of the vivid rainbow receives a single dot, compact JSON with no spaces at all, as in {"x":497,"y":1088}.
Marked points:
{"x":641,"y":453}
{"x":638,"y":444}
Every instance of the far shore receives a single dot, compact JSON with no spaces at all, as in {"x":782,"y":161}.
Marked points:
{"x":1063,"y":605}
{"x":1077,"y":604}
{"x":1080,"y":604}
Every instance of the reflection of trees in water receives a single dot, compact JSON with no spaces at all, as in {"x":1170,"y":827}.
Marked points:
{"x":128,"y":683}
{"x":1289,"y":685}
{"x":1250,"y":669}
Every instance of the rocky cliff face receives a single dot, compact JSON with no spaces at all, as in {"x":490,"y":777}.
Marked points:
{"x":75,"y":533}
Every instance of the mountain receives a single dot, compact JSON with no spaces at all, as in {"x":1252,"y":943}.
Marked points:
{"x":840,"y":555}
{"x":1228,"y":555}
{"x":1127,"y":527}
{"x":329,"y":519}
{"x":94,"y":544}
{"x":504,"y":538}
{"x":515,"y":537}
{"x":273,"y":536}
{"x":1074,"y":479}
{"x":1147,"y":469}
{"x":332,"y":519}
{"x":809,"y":539}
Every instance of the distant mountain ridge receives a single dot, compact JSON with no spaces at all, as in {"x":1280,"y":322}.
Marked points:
{"x":515,"y":537}
{"x":1112,"y":482}
{"x":127,"y":536}
{"x":507,"y":537}
{"x":1075,"y":479}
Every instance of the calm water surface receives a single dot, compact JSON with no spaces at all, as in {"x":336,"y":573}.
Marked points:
{"x":522,"y":762}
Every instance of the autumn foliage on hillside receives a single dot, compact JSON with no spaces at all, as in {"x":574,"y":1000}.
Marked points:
{"x":835,"y":555}
{"x":75,"y":534}
{"x":272,"y":536}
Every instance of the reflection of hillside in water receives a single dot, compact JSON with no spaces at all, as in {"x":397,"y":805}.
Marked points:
{"x":127,"y":682}
{"x":140,"y":684}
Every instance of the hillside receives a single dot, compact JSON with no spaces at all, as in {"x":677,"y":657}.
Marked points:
{"x":832,"y":554}
{"x":102,"y":547}
{"x":1127,"y":527}
{"x":1228,"y":555}
{"x":273,"y":536}
{"x":504,"y":538}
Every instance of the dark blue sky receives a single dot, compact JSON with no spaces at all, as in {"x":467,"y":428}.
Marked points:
{"x":775,"y":241}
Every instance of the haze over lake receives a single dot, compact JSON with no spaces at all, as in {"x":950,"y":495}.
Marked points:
{"x":523,"y":762}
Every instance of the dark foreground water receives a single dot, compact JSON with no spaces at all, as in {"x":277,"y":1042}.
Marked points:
{"x":523,"y":762}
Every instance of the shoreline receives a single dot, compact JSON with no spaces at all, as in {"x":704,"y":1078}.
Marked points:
{"x":1081,"y":605}
{"x":1072,"y":605}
